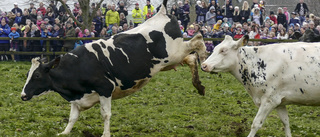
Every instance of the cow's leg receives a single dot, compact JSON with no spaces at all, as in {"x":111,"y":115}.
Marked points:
{"x":74,"y":114}
{"x":106,"y":114}
{"x":264,"y":110}
{"x":283,"y":114}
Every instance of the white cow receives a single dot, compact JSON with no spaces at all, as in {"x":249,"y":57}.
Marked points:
{"x":274,"y":75}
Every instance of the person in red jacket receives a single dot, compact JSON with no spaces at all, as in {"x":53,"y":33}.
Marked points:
{"x":42,"y":9}
{"x":273,"y":18}
{"x":238,"y":34}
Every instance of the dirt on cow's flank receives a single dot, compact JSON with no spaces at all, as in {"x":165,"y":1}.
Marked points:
{"x":168,"y":106}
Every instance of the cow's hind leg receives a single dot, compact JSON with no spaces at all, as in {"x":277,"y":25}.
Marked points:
{"x":283,"y":114}
{"x":106,"y":114}
{"x":264,"y":110}
{"x":74,"y":114}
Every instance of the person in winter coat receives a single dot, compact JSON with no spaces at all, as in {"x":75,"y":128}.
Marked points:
{"x":236,"y":14}
{"x":183,"y":14}
{"x":302,"y":9}
{"x":122,"y":9}
{"x":137,"y":15}
{"x":57,"y":32}
{"x":229,"y":11}
{"x":45,"y":34}
{"x":70,"y":32}
{"x":281,"y":18}
{"x":42,"y":9}
{"x":145,"y":9}
{"x":294,"y":18}
{"x":201,"y":11}
{"x":211,"y":17}
{"x":4,"y":32}
{"x":112,"y":17}
{"x":174,"y":10}
{"x":273,"y":18}
{"x":219,"y":16}
{"x":18,"y":18}
{"x":14,"y":35}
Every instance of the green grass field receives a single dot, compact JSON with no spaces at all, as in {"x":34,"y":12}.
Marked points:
{"x":168,"y":106}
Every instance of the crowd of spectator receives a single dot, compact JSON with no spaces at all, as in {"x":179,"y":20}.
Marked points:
{"x":212,"y":21}
{"x":215,"y":21}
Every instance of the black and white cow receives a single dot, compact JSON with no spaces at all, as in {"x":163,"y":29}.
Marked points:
{"x":113,"y":68}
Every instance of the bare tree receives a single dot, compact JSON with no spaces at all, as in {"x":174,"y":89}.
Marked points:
{"x":87,"y":16}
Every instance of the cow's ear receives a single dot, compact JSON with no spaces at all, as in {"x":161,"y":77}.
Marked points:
{"x":52,"y":64}
{"x":243,"y":41}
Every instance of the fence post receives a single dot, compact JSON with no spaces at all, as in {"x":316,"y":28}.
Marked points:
{"x":48,"y":48}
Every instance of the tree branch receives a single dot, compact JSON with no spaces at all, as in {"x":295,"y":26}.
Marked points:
{"x":70,"y":14}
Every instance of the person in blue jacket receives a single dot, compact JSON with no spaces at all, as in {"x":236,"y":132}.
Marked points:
{"x":14,"y":35}
{"x":4,"y":44}
{"x":45,"y":34}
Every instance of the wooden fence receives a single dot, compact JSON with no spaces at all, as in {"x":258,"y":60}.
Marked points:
{"x":47,"y":52}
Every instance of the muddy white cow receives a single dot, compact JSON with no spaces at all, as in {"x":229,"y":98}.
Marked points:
{"x":274,"y":75}
{"x":113,"y":68}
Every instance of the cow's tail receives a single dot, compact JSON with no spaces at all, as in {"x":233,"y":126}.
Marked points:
{"x":163,"y":8}
{"x":165,"y":3}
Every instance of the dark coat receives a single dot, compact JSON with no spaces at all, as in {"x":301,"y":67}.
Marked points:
{"x":70,"y":32}
{"x":282,"y":19}
{"x":305,"y":7}
{"x":245,"y":14}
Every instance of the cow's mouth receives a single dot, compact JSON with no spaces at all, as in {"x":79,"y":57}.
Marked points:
{"x":25,"y":98}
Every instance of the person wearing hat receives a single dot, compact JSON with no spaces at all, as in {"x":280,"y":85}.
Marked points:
{"x":273,"y":18}
{"x":294,"y":18}
{"x":31,"y":7}
{"x":16,"y":9}
{"x":211,"y":17}
{"x":137,"y":15}
{"x":145,"y":8}
{"x":14,"y":35}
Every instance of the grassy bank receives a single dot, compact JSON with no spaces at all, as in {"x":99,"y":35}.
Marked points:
{"x":168,"y":106}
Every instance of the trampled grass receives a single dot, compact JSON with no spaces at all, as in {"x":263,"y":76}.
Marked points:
{"x":168,"y":106}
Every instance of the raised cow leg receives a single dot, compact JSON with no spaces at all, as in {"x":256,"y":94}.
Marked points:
{"x":74,"y":114}
{"x":106,"y":114}
{"x":283,"y":114}
{"x":264,"y":110}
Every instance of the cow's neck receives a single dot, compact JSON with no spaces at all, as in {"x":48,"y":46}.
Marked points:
{"x":59,"y":81}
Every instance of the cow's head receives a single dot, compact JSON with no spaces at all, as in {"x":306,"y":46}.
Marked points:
{"x":224,"y":56}
{"x":38,"y":79}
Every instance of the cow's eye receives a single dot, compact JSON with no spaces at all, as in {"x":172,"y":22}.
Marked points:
{"x":223,"y":50}
{"x":36,"y":75}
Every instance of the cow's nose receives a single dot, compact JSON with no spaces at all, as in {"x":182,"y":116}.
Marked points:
{"x":24,"y":98}
{"x":204,"y":67}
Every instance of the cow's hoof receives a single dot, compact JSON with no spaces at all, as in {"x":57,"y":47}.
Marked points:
{"x":63,"y":133}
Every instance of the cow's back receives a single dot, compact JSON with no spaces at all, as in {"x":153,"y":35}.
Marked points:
{"x":291,"y":68}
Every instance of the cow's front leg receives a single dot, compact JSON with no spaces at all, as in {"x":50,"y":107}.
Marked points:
{"x":106,"y":114}
{"x":74,"y":114}
{"x":264,"y":110}
{"x":283,"y":114}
